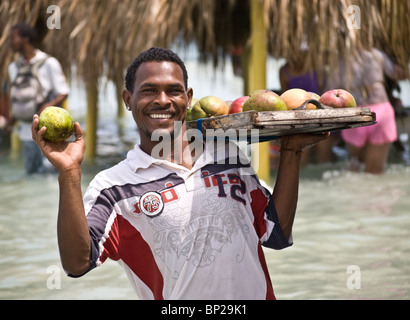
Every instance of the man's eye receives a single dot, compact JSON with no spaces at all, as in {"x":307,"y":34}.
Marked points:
{"x":175,"y":91}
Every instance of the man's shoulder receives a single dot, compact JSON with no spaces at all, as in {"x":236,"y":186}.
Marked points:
{"x":115,"y":175}
{"x":46,"y":60}
{"x":51,"y":62}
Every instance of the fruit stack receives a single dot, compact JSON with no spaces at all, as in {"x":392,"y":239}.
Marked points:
{"x":266,"y":100}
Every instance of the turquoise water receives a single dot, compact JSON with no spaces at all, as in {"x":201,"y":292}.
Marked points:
{"x":348,"y":221}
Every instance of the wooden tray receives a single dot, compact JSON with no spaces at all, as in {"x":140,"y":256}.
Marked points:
{"x":274,"y":124}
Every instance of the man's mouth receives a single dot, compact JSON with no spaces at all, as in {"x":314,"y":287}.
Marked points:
{"x":160,"y":116}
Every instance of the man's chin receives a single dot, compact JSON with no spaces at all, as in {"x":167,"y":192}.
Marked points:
{"x":162,"y":134}
{"x":169,"y":131}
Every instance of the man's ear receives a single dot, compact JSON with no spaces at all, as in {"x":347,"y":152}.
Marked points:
{"x":126,"y":96}
{"x":190,"y":94}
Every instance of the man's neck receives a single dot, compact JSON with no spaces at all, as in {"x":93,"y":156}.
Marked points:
{"x":28,"y":53}
{"x":169,"y":151}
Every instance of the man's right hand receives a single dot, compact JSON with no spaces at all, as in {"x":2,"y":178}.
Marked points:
{"x":72,"y":227}
{"x":63,"y":155}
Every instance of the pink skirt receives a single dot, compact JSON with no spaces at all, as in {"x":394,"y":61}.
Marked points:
{"x":384,"y":131}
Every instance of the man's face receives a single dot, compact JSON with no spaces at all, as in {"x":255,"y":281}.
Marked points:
{"x":16,"y":41}
{"x":159,"y":98}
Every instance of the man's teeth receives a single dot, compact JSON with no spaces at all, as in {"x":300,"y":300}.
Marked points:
{"x":160,"y":116}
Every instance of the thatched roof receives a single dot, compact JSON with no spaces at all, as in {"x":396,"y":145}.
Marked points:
{"x":323,"y":26}
{"x":103,"y":37}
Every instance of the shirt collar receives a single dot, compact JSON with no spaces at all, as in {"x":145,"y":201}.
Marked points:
{"x":138,"y":159}
{"x":38,"y":55}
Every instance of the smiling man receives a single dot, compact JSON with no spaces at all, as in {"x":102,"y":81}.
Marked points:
{"x":158,"y":95}
{"x":190,"y":230}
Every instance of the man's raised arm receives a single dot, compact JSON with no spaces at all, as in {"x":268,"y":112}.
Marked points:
{"x":285,"y":192}
{"x":72,"y":227}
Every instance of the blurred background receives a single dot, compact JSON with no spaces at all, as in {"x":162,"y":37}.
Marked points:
{"x":231,"y":48}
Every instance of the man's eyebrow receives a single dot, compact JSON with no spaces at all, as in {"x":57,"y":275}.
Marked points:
{"x":148,"y":84}
{"x":151,"y":84}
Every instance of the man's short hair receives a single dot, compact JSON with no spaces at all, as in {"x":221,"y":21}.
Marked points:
{"x":153,"y":54}
{"x":26,"y":31}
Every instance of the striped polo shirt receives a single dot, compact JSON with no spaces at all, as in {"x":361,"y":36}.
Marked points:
{"x":185,"y":234}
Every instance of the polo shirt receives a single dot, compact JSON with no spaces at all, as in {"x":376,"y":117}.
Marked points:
{"x":185,"y":234}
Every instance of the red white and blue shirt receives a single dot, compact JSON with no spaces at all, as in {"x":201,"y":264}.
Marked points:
{"x":184,"y":234}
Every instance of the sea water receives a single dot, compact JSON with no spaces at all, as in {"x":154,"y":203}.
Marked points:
{"x":351,"y":238}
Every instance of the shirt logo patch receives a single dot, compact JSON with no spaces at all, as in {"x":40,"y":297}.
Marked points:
{"x":151,"y":203}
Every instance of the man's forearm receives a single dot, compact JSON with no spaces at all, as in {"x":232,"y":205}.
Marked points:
{"x":285,"y":193}
{"x":72,"y":226}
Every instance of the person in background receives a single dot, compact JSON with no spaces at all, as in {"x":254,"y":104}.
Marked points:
{"x":4,"y":105}
{"x":37,"y":81}
{"x":369,"y":147}
{"x":293,"y":76}
{"x":393,"y":91}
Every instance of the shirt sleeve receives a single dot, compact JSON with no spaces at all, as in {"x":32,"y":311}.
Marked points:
{"x":56,"y":78}
{"x":276,"y":239}
{"x":102,"y":224}
{"x":266,"y":220}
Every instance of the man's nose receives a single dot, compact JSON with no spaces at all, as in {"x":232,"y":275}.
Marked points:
{"x":163,"y":98}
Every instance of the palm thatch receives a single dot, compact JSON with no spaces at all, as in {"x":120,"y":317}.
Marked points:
{"x":12,"y":12}
{"x":102,"y":37}
{"x":322,"y":26}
